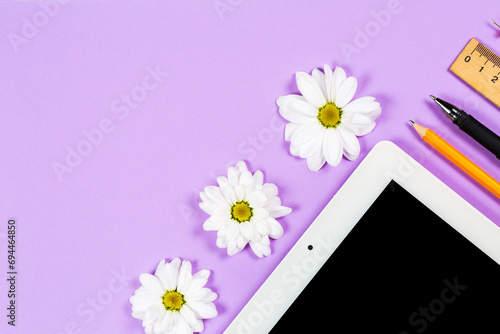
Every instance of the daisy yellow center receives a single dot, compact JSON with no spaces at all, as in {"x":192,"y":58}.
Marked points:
{"x":329,"y":115}
{"x":173,"y":300}
{"x":241,"y":211}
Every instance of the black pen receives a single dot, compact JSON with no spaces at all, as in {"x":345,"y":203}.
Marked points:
{"x":471,"y":126}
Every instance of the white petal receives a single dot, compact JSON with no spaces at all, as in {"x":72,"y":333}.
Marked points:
{"x":240,"y":242}
{"x":270,"y":189}
{"x":328,"y":82}
{"x":276,"y":228}
{"x":203,"y":294}
{"x":339,"y":77}
{"x":262,"y":227}
{"x":320,"y":79}
{"x":346,"y":92}
{"x":260,"y":213}
{"x":294,"y":149}
{"x":257,"y":198}
{"x":241,"y":166}
{"x":306,"y":132}
{"x":316,"y":161}
{"x":332,"y":147}
{"x":152,"y":283}
{"x":233,"y":175}
{"x":211,"y":198}
{"x":350,"y":143}
{"x":212,"y":195}
{"x":181,"y":326}
{"x":279,"y":211}
{"x":247,"y":231}
{"x":142,"y":291}
{"x":159,"y":268}
{"x":282,"y":101}
{"x":222,"y":232}
{"x":207,"y":207}
{"x":246,"y":179}
{"x":363,"y":105}
{"x":310,"y":89}
{"x":195,"y":295}
{"x":260,"y":249}
{"x":299,"y":111}
{"x":148,"y":329}
{"x":188,"y":316}
{"x":258,"y":178}
{"x":289,"y":130}
{"x":240,"y":192}
{"x":199,"y":279}
{"x":143,"y":302}
{"x":232,"y":230}
{"x":265,"y":241}
{"x":158,"y":325}
{"x":185,"y":277}
{"x":222,"y":181}
{"x":273,"y":201}
{"x":361,"y":124}
{"x":164,"y":276}
{"x":221,"y":242}
{"x":229,"y":194}
{"x":172,"y":273}
{"x":154,"y":312}
{"x":210,"y":225}
{"x":199,"y":326}
{"x":315,"y":143}
{"x":203,"y":310}
{"x":167,"y":321}
{"x":374,"y":114}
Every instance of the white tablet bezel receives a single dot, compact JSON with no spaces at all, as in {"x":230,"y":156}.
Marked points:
{"x":384,"y":163}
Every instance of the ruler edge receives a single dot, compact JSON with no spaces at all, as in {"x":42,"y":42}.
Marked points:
{"x":488,"y":96}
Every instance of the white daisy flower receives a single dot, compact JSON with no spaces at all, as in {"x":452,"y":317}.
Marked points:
{"x":243,"y":210}
{"x":324,"y":122}
{"x":173,"y":301}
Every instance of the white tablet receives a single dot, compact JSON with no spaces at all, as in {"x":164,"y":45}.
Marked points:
{"x":394,"y":251}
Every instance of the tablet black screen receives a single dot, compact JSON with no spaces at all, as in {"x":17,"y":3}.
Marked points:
{"x":401,"y":270}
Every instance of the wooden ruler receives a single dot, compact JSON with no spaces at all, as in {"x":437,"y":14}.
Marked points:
{"x":479,"y":67}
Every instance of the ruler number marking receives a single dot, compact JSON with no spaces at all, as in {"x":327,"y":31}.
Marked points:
{"x":478,"y":66}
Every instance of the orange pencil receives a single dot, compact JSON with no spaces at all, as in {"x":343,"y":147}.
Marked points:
{"x":431,"y":138}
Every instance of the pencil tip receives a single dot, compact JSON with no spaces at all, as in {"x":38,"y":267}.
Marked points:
{"x":498,"y":25}
{"x":433,"y":97}
{"x":412,"y":122}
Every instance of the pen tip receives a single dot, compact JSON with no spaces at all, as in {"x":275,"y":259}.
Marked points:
{"x":433,"y":97}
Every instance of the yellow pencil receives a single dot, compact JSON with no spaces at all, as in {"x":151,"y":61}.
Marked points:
{"x":431,"y":138}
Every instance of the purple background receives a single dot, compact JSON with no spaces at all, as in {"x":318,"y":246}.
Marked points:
{"x":133,"y":199}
